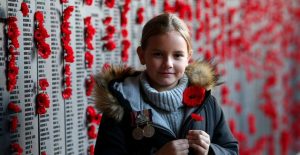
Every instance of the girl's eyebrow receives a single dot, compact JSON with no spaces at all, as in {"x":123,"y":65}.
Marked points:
{"x":159,"y":50}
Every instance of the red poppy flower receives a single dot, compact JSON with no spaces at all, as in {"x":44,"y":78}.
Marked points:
{"x":107,"y":37}
{"x":88,"y":2}
{"x":110,"y":30}
{"x":107,"y":20}
{"x":89,"y":59}
{"x":67,"y":69}
{"x":43,"y":83}
{"x":69,"y":58}
{"x":87,"y":20}
{"x":65,"y":28}
{"x":67,"y":13}
{"x":252,"y":123}
{"x":11,"y":84}
{"x":91,"y":149}
{"x":24,"y":9}
{"x":91,"y":112}
{"x":125,"y":55}
{"x":197,"y":117}
{"x":68,"y":81}
{"x":67,"y":93}
{"x":43,"y":100}
{"x":126,"y":44}
{"x":43,"y":153}
{"x":15,"y":147}
{"x":109,"y":3}
{"x":124,"y":20}
{"x":193,"y":96}
{"x":124,"y":33}
{"x":14,"y":124}
{"x":105,"y":67}
{"x":41,"y":110}
{"x":97,"y":119}
{"x":89,"y":83}
{"x":92,"y":132}
{"x":64,"y":1}
{"x":153,"y":2}
{"x":39,"y":16}
{"x":110,"y":45}
{"x":13,"y":107}
{"x":44,"y":50}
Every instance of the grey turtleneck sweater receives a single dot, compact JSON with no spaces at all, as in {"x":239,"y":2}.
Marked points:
{"x":167,"y":108}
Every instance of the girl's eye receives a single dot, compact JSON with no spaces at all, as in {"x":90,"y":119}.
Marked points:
{"x":157,"y":54}
{"x":178,"y":55}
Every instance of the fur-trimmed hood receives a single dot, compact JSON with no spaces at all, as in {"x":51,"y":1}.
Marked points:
{"x":200,"y":73}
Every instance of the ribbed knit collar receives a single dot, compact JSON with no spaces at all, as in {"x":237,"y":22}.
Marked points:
{"x":169,"y":100}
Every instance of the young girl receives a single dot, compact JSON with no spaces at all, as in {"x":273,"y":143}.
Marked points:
{"x":167,"y":109}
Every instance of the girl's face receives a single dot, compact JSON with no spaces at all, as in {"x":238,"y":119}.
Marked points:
{"x":166,"y":57}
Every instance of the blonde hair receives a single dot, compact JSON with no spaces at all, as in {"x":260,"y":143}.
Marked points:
{"x":165,"y":23}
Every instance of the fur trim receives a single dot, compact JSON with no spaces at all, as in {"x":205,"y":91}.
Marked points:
{"x":200,"y":73}
{"x":104,"y":100}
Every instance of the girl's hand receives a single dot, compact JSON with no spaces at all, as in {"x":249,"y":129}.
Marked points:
{"x":175,"y":147}
{"x":199,"y":141}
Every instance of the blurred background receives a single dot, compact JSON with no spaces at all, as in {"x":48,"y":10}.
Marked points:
{"x":50,"y":51}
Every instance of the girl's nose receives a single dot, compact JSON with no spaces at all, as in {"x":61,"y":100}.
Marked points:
{"x":168,"y":63}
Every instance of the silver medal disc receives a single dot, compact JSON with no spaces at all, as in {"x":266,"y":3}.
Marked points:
{"x":137,"y":133}
{"x":148,"y":131}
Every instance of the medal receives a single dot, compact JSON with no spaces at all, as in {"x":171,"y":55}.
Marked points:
{"x":148,"y":130}
{"x":142,"y":118}
{"x":137,"y":133}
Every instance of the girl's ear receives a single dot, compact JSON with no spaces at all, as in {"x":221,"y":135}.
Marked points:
{"x":141,"y":55}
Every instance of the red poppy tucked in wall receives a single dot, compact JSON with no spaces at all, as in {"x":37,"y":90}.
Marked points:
{"x":109,"y":3}
{"x":24,"y":9}
{"x":13,"y":107}
{"x":16,"y":148}
{"x":193,"y":96}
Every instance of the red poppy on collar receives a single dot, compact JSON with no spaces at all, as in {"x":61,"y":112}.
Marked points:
{"x":14,"y":124}
{"x":15,"y":147}
{"x":193,"y":96}
{"x":13,"y":107}
{"x":24,"y":9}
{"x":43,"y":83}
{"x":107,"y":20}
{"x":109,"y":3}
{"x":197,"y":117}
